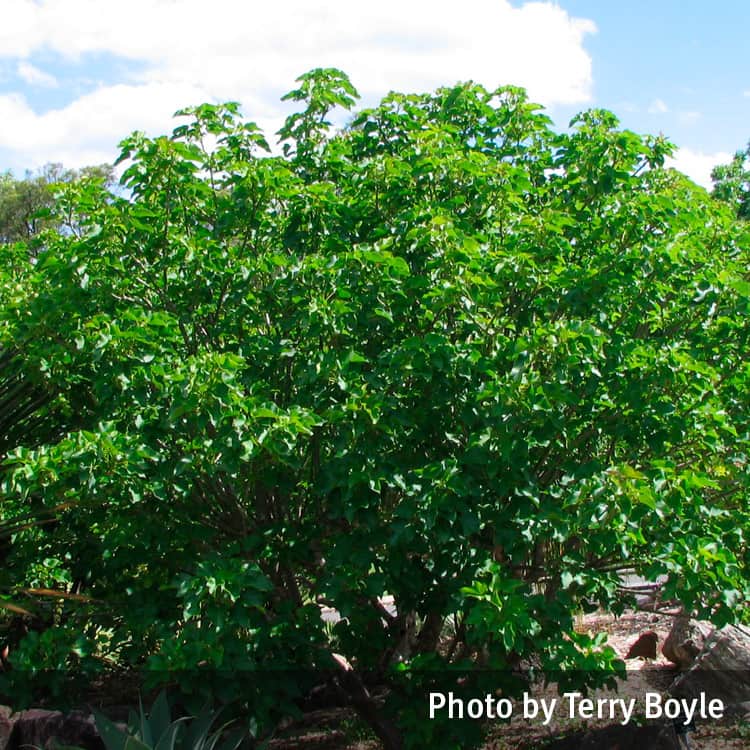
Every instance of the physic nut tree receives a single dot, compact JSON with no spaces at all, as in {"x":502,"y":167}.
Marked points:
{"x":444,"y":355}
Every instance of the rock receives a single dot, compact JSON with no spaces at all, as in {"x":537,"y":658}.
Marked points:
{"x":739,"y":712}
{"x":47,"y":729}
{"x":33,"y":728}
{"x":6,"y":726}
{"x":721,"y":670}
{"x":685,"y":641}
{"x":618,"y":737}
{"x":644,"y":647}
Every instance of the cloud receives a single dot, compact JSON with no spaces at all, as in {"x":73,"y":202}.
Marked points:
{"x":746,"y":92}
{"x":252,"y":52}
{"x":657,"y":107}
{"x":35,"y":77}
{"x":87,"y":131}
{"x":698,"y":165}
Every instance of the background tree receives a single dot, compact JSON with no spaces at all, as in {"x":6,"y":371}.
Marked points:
{"x":26,"y":204}
{"x":30,"y":209}
{"x":446,"y":355}
{"x":732,"y":183}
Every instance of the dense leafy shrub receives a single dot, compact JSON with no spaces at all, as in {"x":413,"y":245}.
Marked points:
{"x":445,"y":355}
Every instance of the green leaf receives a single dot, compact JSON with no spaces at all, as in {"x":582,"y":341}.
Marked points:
{"x":114,"y":738}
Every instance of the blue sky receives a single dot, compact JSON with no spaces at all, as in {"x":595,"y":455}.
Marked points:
{"x":690,"y":56}
{"x":76,"y":76}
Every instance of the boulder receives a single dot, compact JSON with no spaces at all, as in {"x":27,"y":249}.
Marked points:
{"x":739,"y":712}
{"x":644,"y":647}
{"x":721,"y":670}
{"x":685,"y":641}
{"x":618,"y":737}
{"x":6,"y":726}
{"x":48,"y":729}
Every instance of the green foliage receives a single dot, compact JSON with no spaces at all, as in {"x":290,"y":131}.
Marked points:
{"x":444,"y":354}
{"x":732,"y":183}
{"x":157,"y":731}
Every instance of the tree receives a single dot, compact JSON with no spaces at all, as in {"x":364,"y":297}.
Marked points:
{"x":732,"y":183}
{"x":30,"y":209}
{"x":26,"y":204}
{"x":445,"y":355}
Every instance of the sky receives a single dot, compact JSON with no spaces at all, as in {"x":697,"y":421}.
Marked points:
{"x":77,"y":76}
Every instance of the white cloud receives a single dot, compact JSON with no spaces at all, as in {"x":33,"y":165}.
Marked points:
{"x":35,"y":77}
{"x":87,"y":131}
{"x":252,"y":52}
{"x":746,"y":92}
{"x":657,"y":107}
{"x":698,"y":165}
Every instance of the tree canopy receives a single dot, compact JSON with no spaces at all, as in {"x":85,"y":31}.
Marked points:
{"x":444,"y":354}
{"x":732,"y":183}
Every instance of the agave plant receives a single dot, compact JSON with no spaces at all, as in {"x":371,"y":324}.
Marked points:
{"x":158,"y":731}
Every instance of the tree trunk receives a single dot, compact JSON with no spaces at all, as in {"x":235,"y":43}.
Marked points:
{"x":352,"y":687}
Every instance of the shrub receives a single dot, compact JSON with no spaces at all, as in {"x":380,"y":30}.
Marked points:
{"x":444,"y":354}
